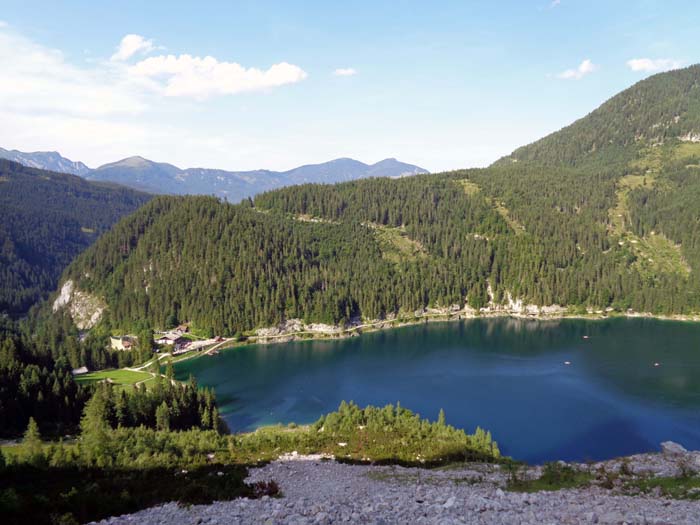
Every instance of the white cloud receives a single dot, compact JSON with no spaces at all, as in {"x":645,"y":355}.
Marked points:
{"x":130,"y":45}
{"x":39,"y":80}
{"x":650,"y":65}
{"x":3,"y":24}
{"x":345,"y":72}
{"x":101,"y":110}
{"x":584,"y":68}
{"x":188,"y":76}
{"x":554,"y":3}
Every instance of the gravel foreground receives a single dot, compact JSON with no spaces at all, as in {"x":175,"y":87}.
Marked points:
{"x":317,"y":491}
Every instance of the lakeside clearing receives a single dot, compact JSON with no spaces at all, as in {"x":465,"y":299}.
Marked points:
{"x":118,"y":377}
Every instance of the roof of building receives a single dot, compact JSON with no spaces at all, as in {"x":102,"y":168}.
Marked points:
{"x":170,"y":337}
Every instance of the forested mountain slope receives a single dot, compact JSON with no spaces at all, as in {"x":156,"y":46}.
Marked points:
{"x":621,"y":234}
{"x":47,"y":219}
{"x":662,"y":108}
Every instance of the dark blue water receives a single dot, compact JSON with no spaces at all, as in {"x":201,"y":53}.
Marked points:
{"x":506,"y":375}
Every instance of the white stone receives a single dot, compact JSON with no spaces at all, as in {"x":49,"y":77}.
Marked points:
{"x":672,"y":449}
{"x":63,"y":296}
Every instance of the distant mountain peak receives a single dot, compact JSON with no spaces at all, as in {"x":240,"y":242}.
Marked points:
{"x":133,"y":161}
{"x":155,"y":177}
{"x":144,"y":174}
{"x":45,"y":160}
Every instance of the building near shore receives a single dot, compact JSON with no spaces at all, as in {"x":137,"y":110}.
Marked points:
{"x":171,"y":339}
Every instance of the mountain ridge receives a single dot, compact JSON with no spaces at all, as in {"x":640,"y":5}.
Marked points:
{"x":143,"y":174}
{"x":164,"y":178}
{"x":46,"y":160}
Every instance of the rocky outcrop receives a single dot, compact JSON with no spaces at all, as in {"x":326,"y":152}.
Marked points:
{"x":517,"y":307}
{"x":673,"y":449}
{"x":292,"y":326}
{"x":691,"y":136}
{"x":85,"y":309}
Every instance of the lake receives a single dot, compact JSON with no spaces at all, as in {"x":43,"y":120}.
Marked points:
{"x":568,"y":389}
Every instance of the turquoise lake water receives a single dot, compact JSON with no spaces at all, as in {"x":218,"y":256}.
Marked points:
{"x":629,"y":383}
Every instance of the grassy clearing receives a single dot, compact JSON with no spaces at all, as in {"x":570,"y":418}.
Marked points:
{"x":676,"y":488}
{"x":518,"y":228}
{"x":685,"y":150}
{"x":554,"y":477}
{"x":655,"y":253}
{"x":658,"y":254}
{"x":118,"y":377}
{"x":651,"y":160}
{"x":469,"y":187}
{"x":619,"y":215}
{"x":472,"y":189}
{"x":396,"y":245}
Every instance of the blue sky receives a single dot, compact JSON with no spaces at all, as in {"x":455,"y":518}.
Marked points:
{"x":449,"y":85}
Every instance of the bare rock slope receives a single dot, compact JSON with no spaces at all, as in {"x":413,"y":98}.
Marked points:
{"x":316,"y":491}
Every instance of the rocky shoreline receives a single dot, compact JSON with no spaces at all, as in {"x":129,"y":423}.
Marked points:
{"x":86,"y":311}
{"x":319,"y":491}
{"x":297,"y":330}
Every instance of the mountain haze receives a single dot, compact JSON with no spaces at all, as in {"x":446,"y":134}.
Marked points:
{"x":155,"y":177}
{"x":139,"y":173}
{"x":163,"y":178}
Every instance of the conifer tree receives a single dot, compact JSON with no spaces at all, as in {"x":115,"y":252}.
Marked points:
{"x":95,"y":436}
{"x":163,"y":417}
{"x":31,"y":443}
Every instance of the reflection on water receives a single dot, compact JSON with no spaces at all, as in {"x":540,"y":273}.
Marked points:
{"x":508,"y":375}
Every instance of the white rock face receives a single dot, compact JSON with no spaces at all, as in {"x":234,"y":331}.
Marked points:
{"x":691,"y":136}
{"x":323,"y":328}
{"x":516,"y":306}
{"x":64,"y":296}
{"x":297,"y":325}
{"x":85,"y":309}
{"x":673,"y":449}
{"x":289,"y":326}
